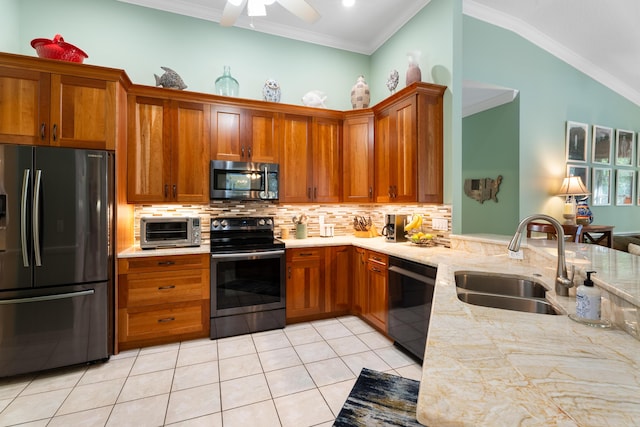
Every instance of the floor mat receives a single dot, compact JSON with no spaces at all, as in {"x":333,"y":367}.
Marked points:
{"x":379,"y":399}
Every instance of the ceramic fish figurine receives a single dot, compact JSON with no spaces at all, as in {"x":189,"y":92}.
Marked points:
{"x":392,"y":81}
{"x":271,"y":91}
{"x":170,"y":79}
{"x":314,"y":98}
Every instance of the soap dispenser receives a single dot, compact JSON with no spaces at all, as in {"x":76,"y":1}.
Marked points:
{"x":588,"y":300}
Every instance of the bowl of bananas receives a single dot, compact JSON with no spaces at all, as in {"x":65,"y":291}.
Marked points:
{"x":415,"y":233}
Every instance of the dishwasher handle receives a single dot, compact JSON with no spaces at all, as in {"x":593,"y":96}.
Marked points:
{"x":416,"y":276}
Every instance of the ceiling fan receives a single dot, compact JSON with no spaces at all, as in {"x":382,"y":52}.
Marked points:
{"x":234,"y":8}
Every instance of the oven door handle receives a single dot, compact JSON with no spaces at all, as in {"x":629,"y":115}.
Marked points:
{"x":407,"y":273}
{"x":247,"y":255}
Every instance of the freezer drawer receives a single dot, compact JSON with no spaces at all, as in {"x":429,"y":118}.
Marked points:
{"x":52,"y":327}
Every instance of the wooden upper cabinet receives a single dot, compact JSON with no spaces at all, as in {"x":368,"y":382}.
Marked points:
{"x":327,"y":160}
{"x":358,"y":159}
{"x":396,"y":153}
{"x":168,"y":151}
{"x":295,"y":159}
{"x":53,"y":109}
{"x":244,"y":135}
{"x":310,"y":159}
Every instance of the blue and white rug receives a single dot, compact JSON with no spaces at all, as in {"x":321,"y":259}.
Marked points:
{"x":379,"y":399}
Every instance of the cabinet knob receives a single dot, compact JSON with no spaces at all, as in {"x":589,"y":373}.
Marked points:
{"x":166,"y":319}
{"x":315,"y":193}
{"x":166,"y":191}
{"x":165,"y":263}
{"x":370,"y":192}
{"x":175,"y":191}
{"x":43,"y":128}
{"x":166,"y":288}
{"x":55,"y":132}
{"x":249,"y":152}
{"x":242,"y":151}
{"x":289,"y":273}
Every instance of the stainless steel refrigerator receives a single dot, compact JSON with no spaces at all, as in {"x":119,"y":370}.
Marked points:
{"x":56,"y":261}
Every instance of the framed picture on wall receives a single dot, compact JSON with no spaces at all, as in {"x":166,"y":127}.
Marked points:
{"x":625,"y":187}
{"x":601,"y":187}
{"x":625,"y":147}
{"x":602,"y":137}
{"x":579,"y":170}
{"x":576,"y":142}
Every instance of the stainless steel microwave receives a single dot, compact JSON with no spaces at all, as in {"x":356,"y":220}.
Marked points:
{"x":169,"y":232}
{"x":244,"y":181}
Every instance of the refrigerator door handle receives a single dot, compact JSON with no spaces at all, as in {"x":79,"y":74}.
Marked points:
{"x":23,"y":217}
{"x":36,"y":219}
{"x":47,"y":297}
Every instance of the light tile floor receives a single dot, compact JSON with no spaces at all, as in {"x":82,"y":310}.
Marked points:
{"x":297,"y":376}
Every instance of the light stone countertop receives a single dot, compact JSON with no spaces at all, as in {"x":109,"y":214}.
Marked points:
{"x":492,"y":367}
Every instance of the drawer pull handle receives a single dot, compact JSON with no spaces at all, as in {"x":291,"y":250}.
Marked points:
{"x":166,"y":319}
{"x":375,"y":270}
{"x":164,"y":288}
{"x":306,"y":254}
{"x":165,"y":263}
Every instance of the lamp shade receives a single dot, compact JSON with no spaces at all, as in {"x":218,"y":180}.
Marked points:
{"x":573,"y":186}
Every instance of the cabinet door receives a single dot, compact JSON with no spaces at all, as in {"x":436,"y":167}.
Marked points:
{"x":83,"y":112}
{"x":190,"y":152}
{"x":148,"y":150}
{"x":360,"y":274}
{"x":295,"y":159}
{"x":338,"y":265}
{"x":404,"y":156}
{"x":358,"y":160}
{"x":262,"y":136}
{"x":305,"y":283}
{"x":383,"y":153}
{"x":227,"y":143}
{"x":327,"y":160}
{"x":24,"y":106}
{"x":377,"y":296}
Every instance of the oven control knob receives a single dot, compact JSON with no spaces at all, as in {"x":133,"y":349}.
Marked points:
{"x":261,"y":222}
{"x":269,"y":222}
{"x":224,"y":223}
{"x":215,"y":223}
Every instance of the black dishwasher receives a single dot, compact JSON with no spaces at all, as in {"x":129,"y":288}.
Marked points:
{"x":411,"y":287}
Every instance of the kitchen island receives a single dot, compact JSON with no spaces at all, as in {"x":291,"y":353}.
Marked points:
{"x":491,"y":367}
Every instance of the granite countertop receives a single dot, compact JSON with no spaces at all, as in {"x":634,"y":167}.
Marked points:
{"x":492,"y":367}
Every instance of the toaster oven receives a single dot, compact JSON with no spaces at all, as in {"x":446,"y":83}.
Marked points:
{"x":169,"y":232}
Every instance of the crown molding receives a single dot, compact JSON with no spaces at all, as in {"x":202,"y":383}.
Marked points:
{"x":478,"y":97}
{"x":508,"y":22}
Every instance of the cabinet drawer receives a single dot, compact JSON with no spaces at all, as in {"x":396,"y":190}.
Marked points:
{"x":377,"y":258}
{"x":162,"y":263}
{"x":175,"y":320}
{"x":143,"y":289}
{"x":304,"y":254}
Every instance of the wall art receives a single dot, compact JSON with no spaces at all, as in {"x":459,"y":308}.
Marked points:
{"x":576,"y":141}
{"x":625,"y":180}
{"x":625,"y":147}
{"x":601,"y":187}
{"x":602,"y":137}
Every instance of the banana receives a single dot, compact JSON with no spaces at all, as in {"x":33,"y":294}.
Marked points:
{"x":416,"y":221}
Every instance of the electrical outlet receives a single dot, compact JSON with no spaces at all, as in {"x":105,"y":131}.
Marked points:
{"x":440,"y":224}
{"x":516,"y":255}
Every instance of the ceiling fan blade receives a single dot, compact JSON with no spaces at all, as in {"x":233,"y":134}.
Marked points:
{"x":231,"y":13}
{"x":301,"y":9}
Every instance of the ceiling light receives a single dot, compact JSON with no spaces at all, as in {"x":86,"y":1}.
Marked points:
{"x":348,"y":3}
{"x":256,"y":8}
{"x":235,"y":2}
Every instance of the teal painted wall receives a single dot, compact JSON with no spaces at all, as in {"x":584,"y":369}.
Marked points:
{"x":492,"y":148}
{"x":140,"y":40}
{"x":435,"y":32}
{"x":551,"y":93}
{"x":9,"y":26}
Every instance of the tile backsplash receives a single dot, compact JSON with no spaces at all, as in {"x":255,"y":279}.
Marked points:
{"x":339,"y":215}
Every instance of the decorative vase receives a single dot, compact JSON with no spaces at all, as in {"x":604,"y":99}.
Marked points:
{"x":360,"y":96}
{"x":226,"y":85}
{"x":413,"y":72}
{"x":584,"y":215}
{"x":392,"y":81}
{"x":301,"y":231}
{"x":271,"y":91}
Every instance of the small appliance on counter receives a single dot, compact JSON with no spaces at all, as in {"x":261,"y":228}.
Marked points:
{"x":169,"y":232}
{"x":394,"y":228}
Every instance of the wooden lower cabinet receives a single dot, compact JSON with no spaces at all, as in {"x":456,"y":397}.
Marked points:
{"x":359,"y":268}
{"x":162,"y":299}
{"x":306,"y":291}
{"x":338,"y":270}
{"x":376,"y":290}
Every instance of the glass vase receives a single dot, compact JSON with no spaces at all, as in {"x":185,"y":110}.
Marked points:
{"x":226,"y":85}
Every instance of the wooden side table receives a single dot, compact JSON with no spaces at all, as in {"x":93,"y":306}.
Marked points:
{"x":598,"y":234}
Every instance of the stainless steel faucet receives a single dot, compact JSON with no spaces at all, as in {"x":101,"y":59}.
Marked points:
{"x":563,"y":282}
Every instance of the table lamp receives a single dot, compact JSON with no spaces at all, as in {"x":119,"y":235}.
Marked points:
{"x":571,"y":187}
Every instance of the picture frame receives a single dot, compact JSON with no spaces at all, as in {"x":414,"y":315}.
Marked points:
{"x":602,"y":139}
{"x":625,"y":187}
{"x":579,"y":170}
{"x":601,"y":187}
{"x":576,"y":141}
{"x":625,"y":147}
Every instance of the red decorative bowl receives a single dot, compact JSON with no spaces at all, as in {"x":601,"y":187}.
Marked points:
{"x":58,"y":49}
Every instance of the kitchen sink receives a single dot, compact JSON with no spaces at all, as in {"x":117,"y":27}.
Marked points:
{"x":502,"y":285}
{"x":503,"y":291}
